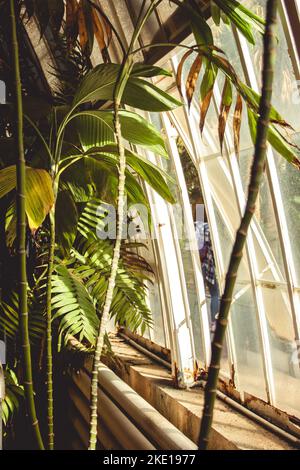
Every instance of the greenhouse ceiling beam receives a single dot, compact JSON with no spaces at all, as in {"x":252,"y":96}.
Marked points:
{"x":174,"y":28}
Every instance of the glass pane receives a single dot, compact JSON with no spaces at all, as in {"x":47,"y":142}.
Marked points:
{"x":286,"y":100}
{"x":227,"y":218}
{"x":146,"y":250}
{"x":225,"y":40}
{"x":247,"y":354}
{"x":248,"y":351}
{"x":265,"y":233}
{"x":157,"y":332}
{"x":289,"y":180}
{"x":226,"y":245}
{"x":182,"y":238}
{"x":267,"y":248}
{"x":285,"y":357}
{"x":187,"y":262}
{"x":212,"y":295}
{"x":285,"y":89}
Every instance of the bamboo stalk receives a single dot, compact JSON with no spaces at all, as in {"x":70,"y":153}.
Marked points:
{"x":49,"y":330}
{"x":237,"y":252}
{"x":21,"y":233}
{"x":111,"y":284}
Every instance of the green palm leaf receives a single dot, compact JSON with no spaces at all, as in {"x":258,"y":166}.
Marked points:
{"x":66,"y":216}
{"x":14,"y":393}
{"x":9,"y":318}
{"x":73,"y":306}
{"x":38,"y":192}
{"x":148,"y":171}
{"x":99,"y":84}
{"x":95,"y":128}
{"x":94,"y":257}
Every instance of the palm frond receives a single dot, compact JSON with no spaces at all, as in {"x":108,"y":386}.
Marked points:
{"x":74,"y":306}
{"x":14,"y":393}
{"x":9,"y":318}
{"x":129,"y":305}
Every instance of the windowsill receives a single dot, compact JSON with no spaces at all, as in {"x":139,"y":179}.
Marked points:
{"x":183,"y":408}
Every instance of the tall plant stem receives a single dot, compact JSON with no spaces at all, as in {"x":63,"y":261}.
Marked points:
{"x":21,"y":234}
{"x":119,"y":89}
{"x":49,"y":330}
{"x":237,"y":252}
{"x":111,"y":284}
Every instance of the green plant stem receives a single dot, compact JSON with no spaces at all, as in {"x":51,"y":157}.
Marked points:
{"x":21,"y":235}
{"x":49,"y":330}
{"x":50,"y":414}
{"x":119,"y":88}
{"x":237,"y":252}
{"x":111,"y":284}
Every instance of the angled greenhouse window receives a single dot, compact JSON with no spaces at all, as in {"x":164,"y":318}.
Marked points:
{"x":262,"y":340}
{"x":260,"y":357}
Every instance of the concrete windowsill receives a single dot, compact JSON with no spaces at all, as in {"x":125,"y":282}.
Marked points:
{"x":183,"y":408}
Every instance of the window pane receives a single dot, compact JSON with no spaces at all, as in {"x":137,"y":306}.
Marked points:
{"x":284,"y":88}
{"x":246,"y":339}
{"x":248,"y":354}
{"x":267,"y":293}
{"x":178,"y":214}
{"x":286,"y":100}
{"x":187,"y":262}
{"x":285,"y":357}
{"x":265,"y":232}
{"x":157,"y":333}
{"x":146,"y":251}
{"x":289,"y":180}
